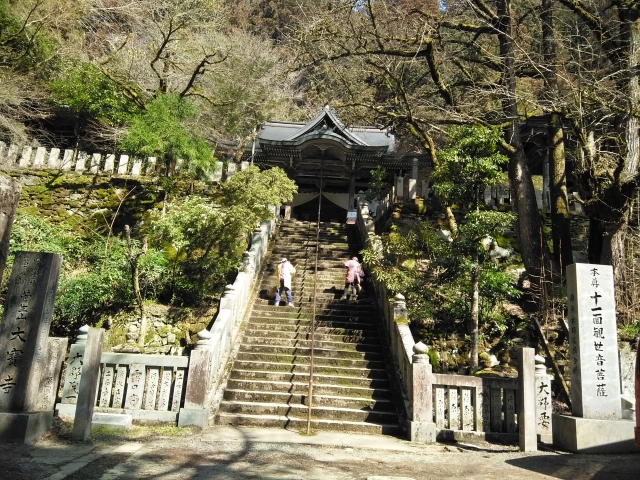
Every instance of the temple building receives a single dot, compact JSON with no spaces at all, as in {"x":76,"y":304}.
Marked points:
{"x":325,"y":151}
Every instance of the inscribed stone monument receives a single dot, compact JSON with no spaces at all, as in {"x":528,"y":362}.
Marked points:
{"x":593,"y":342}
{"x":25,"y":328}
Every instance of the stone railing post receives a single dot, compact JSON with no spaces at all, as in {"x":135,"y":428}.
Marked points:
{"x":73,"y":372}
{"x":399,"y":308}
{"x":195,"y":411}
{"x":421,"y":427}
{"x":543,"y":401}
{"x":526,"y":400}
{"x":88,"y":385}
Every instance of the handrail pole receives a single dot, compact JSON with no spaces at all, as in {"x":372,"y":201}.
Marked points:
{"x":313,"y":316}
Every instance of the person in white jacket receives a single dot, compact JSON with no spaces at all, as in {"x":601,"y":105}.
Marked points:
{"x":284,"y":271}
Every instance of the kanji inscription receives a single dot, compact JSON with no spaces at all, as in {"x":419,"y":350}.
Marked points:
{"x":593,"y":342}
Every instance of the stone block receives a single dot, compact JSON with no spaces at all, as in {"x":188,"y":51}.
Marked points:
{"x":38,"y":161}
{"x":400,"y":187}
{"x":94,"y":165}
{"x":198,"y":417}
{"x":109,"y":162}
{"x":81,"y":162}
{"x":412,"y":183}
{"x":587,"y":435}
{"x":113,"y":420}
{"x":54,"y":158}
{"x":25,"y":158}
{"x":123,"y":164}
{"x":24,"y":427}
{"x":421,"y":432}
{"x":151,"y":166}
{"x":136,"y":168}
{"x":67,"y":160}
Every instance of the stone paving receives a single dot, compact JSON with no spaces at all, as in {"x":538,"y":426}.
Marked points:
{"x":258,"y":453}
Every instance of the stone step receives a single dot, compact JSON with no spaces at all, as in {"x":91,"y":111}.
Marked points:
{"x":364,"y":404}
{"x":373,"y":383}
{"x":279,"y":327}
{"x":324,"y":327}
{"x":328,"y":345}
{"x":318,"y":352}
{"x":357,"y":338}
{"x":350,"y":391}
{"x":300,"y":411}
{"x":343,"y":321}
{"x":304,"y":360}
{"x":296,"y":368}
{"x":300,"y":424}
{"x":354,"y":311}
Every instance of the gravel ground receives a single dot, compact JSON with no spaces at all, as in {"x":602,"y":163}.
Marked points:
{"x":147,"y":453}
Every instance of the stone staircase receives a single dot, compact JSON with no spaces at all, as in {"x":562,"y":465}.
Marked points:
{"x":268,"y":384}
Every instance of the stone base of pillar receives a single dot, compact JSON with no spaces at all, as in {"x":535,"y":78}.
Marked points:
{"x":24,"y":427}
{"x":545,"y":438}
{"x":198,"y":417}
{"x":586,"y":435}
{"x":421,"y":432}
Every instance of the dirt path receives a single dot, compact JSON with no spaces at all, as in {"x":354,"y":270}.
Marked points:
{"x":201,"y":457}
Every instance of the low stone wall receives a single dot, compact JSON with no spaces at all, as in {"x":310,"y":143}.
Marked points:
{"x":213,"y":349}
{"x":67,"y":160}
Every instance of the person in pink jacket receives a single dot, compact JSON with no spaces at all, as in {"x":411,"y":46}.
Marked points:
{"x":353,"y":278}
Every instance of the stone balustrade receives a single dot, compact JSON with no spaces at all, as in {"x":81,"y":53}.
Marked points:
{"x":148,"y":387}
{"x":447,"y":407}
{"x":213,"y":351}
{"x":68,"y":160}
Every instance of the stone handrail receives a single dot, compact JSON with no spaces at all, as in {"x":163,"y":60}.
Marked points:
{"x":209,"y":357}
{"x":69,"y":160}
{"x":438,"y":406}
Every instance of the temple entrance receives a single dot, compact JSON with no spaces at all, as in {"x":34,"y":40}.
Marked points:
{"x":332,"y":210}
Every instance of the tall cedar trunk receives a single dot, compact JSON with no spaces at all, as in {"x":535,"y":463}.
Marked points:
{"x":560,"y":219}
{"x":609,"y":214}
{"x":475,"y":314}
{"x":529,"y":225}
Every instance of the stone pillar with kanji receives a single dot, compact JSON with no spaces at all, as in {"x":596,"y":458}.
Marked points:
{"x":596,"y":424}
{"x":593,"y":342}
{"x":24,"y":339}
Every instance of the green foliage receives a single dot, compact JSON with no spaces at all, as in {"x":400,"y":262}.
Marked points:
{"x":162,"y":131}
{"x":377,"y":185}
{"x":203,"y":241}
{"x":94,"y":275}
{"x":470,"y":164}
{"x":433,"y":272}
{"x":24,"y":46}
{"x":86,"y":93}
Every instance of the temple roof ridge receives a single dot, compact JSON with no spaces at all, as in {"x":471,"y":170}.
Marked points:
{"x":325,"y":117}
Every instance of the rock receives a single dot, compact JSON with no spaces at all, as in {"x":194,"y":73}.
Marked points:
{"x":444,"y":234}
{"x":499,"y":253}
{"x":171,"y":338}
